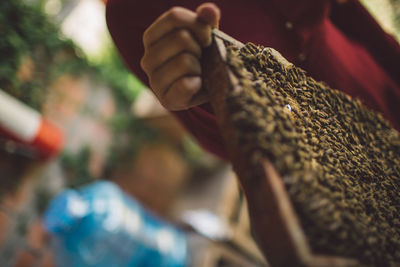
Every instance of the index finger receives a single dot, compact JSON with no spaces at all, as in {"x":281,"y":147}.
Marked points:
{"x":177,"y":17}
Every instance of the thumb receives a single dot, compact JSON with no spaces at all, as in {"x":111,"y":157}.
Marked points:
{"x":209,"y":13}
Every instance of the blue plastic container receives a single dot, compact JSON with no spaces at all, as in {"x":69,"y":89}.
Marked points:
{"x":99,"y":225}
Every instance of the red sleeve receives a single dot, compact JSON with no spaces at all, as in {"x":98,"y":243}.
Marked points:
{"x":358,"y":24}
{"x":305,"y":16}
{"x":303,"y":13}
{"x":126,"y":21}
{"x":203,"y":126}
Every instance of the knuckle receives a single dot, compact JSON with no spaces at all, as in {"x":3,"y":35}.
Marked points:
{"x":181,"y":86}
{"x":186,"y":87}
{"x":145,"y":36}
{"x":187,"y":42}
{"x":177,"y":97}
{"x":186,"y":61}
{"x":143,"y":63}
{"x":183,"y":36}
{"x":175,"y":12}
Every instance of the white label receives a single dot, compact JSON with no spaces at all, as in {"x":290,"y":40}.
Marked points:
{"x":17,"y":118}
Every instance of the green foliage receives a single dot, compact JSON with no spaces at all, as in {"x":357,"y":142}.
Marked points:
{"x":396,"y":15}
{"x":27,"y":33}
{"x":76,"y":167}
{"x":112,"y":70}
{"x":130,"y":134}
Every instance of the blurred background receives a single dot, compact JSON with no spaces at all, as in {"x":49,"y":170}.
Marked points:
{"x":57,"y":57}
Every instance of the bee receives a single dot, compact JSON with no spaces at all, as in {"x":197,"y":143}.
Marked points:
{"x":348,"y":149}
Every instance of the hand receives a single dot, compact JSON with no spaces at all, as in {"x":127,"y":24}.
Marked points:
{"x":173,"y":46}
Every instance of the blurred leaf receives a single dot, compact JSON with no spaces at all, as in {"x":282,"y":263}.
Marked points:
{"x":76,"y":167}
{"x":26,"y":32}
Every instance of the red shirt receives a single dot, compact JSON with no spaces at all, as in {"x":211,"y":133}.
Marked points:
{"x":340,"y":44}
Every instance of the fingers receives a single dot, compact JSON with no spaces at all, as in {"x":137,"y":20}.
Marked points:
{"x":179,"y":41}
{"x":180,"y":66}
{"x":173,"y":46}
{"x":175,"y":18}
{"x":209,"y":13}
{"x":187,"y":89}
